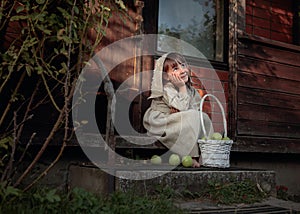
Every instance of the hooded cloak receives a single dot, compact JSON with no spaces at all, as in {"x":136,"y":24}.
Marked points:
{"x":178,"y":131}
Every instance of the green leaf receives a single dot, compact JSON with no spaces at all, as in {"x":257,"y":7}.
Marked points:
{"x":64,"y":66}
{"x":16,"y":18}
{"x":39,"y":69}
{"x":4,"y":142}
{"x":28,"y":69}
{"x":40,"y":1}
{"x":11,"y":191}
{"x":76,"y":10}
{"x":19,"y":9}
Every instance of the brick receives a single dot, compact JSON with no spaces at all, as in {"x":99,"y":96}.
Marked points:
{"x":249,"y":9}
{"x":265,"y":4}
{"x":283,"y":19}
{"x":208,"y":84}
{"x":261,"y":32}
{"x":223,"y":75}
{"x":218,"y":86}
{"x":282,"y":11}
{"x":225,"y":87}
{"x":249,"y":29}
{"x":287,"y":6}
{"x":262,"y":23}
{"x":217,"y":115}
{"x":202,"y":73}
{"x":282,"y":37}
{"x":281,"y":28}
{"x":249,"y":20}
{"x":249,"y":2}
{"x":262,"y":13}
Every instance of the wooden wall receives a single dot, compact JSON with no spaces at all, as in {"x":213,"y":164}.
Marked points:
{"x":265,"y":79}
{"x":268,"y":96}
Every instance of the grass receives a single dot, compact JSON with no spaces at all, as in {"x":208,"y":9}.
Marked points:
{"x":228,"y":193}
{"x":80,"y":201}
{"x":163,"y":200}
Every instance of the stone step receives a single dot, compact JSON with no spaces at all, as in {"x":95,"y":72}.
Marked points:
{"x":192,"y":180}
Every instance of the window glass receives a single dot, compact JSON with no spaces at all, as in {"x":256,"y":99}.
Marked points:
{"x":197,"y":22}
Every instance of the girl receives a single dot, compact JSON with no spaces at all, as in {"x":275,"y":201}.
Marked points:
{"x":173,"y":116}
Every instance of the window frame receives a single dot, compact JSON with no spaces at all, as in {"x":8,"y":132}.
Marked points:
{"x":151,"y":27}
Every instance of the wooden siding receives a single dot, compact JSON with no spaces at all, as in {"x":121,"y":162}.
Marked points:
{"x":268,"y":96}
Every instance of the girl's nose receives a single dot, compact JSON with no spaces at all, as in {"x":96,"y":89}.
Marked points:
{"x":183,"y":70}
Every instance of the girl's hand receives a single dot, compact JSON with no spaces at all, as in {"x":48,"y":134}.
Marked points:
{"x":176,"y":79}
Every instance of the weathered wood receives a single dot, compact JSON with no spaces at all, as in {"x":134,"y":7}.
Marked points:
{"x":269,"y":53}
{"x":92,"y":140}
{"x":234,"y":28}
{"x":267,"y":113}
{"x":138,"y":142}
{"x":245,"y":37}
{"x":263,"y":145}
{"x":267,"y":129}
{"x":261,"y":66}
{"x":268,"y":98}
{"x":268,"y":83}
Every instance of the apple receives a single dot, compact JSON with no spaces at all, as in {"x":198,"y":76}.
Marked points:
{"x":174,"y":160}
{"x":226,"y":138}
{"x":187,"y":161}
{"x":155,"y":159}
{"x":216,"y":136}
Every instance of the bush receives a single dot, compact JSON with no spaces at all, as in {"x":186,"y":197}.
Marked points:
{"x":43,"y":200}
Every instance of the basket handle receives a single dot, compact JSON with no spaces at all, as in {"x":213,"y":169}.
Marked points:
{"x":222,"y":110}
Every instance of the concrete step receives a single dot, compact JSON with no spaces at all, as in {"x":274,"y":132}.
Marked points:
{"x":192,"y":180}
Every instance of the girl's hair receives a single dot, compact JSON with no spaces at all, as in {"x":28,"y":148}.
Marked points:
{"x":172,"y":60}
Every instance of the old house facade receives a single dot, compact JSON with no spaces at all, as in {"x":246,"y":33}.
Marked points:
{"x":251,"y":46}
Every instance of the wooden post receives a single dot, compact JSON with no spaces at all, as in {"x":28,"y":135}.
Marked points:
{"x":236,"y":28}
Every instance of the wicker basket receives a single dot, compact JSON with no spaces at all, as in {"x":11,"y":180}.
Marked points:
{"x":214,"y":153}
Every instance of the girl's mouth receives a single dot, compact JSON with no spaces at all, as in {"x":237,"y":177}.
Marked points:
{"x":183,"y":75}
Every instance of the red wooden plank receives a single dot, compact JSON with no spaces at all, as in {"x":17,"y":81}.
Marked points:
{"x":268,"y":68}
{"x":274,"y":54}
{"x":268,"y":98}
{"x":266,"y":144}
{"x":268,"y":83}
{"x":268,"y":129}
{"x":268,"y":114}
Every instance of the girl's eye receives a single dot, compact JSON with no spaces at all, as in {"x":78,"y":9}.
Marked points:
{"x":175,"y":69}
{"x":183,"y":65}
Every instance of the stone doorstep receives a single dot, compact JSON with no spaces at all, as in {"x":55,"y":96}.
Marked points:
{"x":144,"y":179}
{"x":192,"y":180}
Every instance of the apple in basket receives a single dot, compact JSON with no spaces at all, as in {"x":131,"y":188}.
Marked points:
{"x":216,"y":136}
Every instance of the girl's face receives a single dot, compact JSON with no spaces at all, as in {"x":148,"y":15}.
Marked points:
{"x":178,"y":69}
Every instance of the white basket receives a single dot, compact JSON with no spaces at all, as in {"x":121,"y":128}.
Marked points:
{"x":214,"y":153}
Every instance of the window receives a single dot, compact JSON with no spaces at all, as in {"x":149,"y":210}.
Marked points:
{"x":197,"y":22}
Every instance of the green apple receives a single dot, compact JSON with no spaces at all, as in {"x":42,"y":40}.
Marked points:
{"x":187,"y":161}
{"x":174,"y":160}
{"x":216,"y":136}
{"x":226,"y":138}
{"x":155,"y":159}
